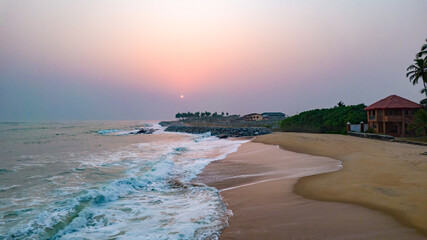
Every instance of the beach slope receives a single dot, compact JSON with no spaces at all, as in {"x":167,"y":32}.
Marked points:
{"x":386,"y":176}
{"x":257,"y":183}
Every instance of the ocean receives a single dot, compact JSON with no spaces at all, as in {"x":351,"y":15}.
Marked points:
{"x":95,"y":180}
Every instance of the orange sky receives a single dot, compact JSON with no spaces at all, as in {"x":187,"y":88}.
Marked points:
{"x":209,"y":48}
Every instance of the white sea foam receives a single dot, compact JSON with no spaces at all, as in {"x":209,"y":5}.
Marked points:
{"x":158,"y":129}
{"x":5,"y":188}
{"x":142,"y":203}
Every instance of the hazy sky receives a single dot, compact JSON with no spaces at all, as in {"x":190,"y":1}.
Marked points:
{"x":119,"y":60}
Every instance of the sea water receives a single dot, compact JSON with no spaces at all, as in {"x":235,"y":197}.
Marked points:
{"x":96,"y":180}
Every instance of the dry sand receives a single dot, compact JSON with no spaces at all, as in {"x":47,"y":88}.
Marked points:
{"x":257,"y":184}
{"x":390,"y":177}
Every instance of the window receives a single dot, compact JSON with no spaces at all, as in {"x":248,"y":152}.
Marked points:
{"x":407,"y":112}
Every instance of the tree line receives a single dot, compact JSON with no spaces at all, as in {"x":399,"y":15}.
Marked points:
{"x":199,"y":115}
{"x":328,"y":120}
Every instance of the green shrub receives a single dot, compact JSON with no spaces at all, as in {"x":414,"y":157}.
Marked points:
{"x":328,"y":120}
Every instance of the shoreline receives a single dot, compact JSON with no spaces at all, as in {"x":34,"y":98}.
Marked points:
{"x":385,"y":176}
{"x":257,"y":183}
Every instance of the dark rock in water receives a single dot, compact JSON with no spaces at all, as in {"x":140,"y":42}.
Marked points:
{"x":222,"y":136}
{"x":168,"y":123}
{"x":141,"y":131}
{"x":150,"y":131}
{"x":144,"y":131}
{"x":175,"y":183}
{"x":198,"y":185}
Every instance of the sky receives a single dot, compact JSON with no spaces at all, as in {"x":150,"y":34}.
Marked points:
{"x":133,"y":59}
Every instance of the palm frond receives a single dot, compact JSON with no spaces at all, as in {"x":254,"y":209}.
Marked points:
{"x":411,"y":67}
{"x":419,"y":62}
{"x":422,"y":52}
{"x":410,"y":73}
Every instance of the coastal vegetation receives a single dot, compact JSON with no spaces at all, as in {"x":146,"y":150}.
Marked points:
{"x":418,"y":72}
{"x":188,"y":115}
{"x":420,"y":122}
{"x":328,"y":120}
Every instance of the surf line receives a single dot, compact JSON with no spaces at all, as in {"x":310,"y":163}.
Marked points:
{"x":280,"y":178}
{"x":253,"y":183}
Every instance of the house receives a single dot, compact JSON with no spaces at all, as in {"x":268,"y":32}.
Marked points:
{"x":392,"y":115}
{"x":252,"y":117}
{"x":273,"y":115}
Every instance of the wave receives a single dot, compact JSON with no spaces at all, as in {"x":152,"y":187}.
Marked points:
{"x":135,"y":129}
{"x":146,"y":204}
{"x":3,"y":189}
{"x":4,"y":170}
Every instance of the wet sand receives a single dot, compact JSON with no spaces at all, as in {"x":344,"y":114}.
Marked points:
{"x":257,"y":184}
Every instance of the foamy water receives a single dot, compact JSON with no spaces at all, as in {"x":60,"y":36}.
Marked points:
{"x":92,"y":180}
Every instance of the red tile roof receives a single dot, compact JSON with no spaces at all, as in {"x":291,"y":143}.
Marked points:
{"x":393,"y":102}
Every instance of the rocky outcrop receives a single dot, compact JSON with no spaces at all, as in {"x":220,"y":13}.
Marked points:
{"x":169,"y":123}
{"x":176,"y":183}
{"x":143,"y":131}
{"x":222,"y":132}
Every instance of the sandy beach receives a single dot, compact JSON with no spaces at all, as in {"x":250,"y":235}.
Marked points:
{"x":386,"y":176}
{"x":257,"y":183}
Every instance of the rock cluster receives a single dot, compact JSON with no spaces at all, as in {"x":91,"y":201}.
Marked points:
{"x":169,"y":123}
{"x":143,"y":131}
{"x":176,"y":183}
{"x":222,"y":132}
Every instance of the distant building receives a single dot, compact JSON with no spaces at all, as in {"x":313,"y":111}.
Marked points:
{"x":392,"y":115}
{"x":273,"y":115}
{"x":252,"y":117}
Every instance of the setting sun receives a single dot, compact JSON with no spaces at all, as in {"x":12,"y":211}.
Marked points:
{"x":182,"y":96}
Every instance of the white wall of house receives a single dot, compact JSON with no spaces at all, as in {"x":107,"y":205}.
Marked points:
{"x":357,"y":127}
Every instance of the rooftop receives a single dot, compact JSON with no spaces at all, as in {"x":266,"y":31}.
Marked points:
{"x":250,"y":114}
{"x":274,"y":113}
{"x":393,"y":102}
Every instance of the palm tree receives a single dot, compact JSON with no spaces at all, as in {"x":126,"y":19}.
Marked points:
{"x":417,"y":71}
{"x":423,"y":51}
{"x":420,"y":122}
